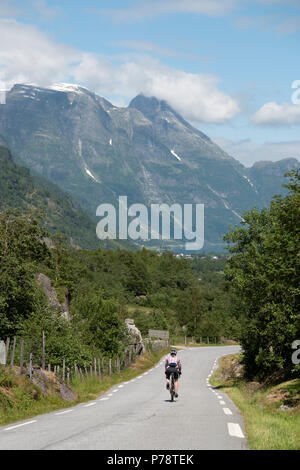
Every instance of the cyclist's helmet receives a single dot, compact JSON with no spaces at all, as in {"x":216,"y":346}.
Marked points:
{"x":173,"y":352}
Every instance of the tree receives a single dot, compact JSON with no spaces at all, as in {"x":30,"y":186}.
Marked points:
{"x":264,"y":271}
{"x":21,"y":248}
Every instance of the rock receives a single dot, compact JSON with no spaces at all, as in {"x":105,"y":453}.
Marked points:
{"x":46,"y":284}
{"x":137,"y":344}
{"x":50,"y":383}
{"x":285,"y":408}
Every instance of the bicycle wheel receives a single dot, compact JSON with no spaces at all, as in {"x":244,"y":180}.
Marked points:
{"x":172,"y":386}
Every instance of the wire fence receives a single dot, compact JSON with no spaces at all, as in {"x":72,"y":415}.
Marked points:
{"x":19,"y":352}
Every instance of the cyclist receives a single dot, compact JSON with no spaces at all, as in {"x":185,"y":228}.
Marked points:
{"x":173,"y":364}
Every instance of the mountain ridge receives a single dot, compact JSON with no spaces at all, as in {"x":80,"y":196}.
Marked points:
{"x":96,"y":151}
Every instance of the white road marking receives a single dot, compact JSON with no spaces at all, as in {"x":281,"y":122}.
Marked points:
{"x":219,"y":396}
{"x":63,"y":412}
{"x":222,"y":402}
{"x":120,"y":386}
{"x":227,"y":411}
{"x":234,"y":430}
{"x":102,"y":399}
{"x":116,"y":390}
{"x":89,"y":404}
{"x":110,"y":395}
{"x":19,"y":425}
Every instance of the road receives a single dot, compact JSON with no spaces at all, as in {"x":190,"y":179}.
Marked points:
{"x":139,"y":415}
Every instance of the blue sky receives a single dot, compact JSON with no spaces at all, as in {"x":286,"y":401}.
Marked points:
{"x":226,"y":65}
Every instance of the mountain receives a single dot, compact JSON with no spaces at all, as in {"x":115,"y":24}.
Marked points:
{"x":19,"y":189}
{"x":96,"y":151}
{"x":267,"y":176}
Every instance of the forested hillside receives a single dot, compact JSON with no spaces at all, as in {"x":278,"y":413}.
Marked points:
{"x":19,"y":189}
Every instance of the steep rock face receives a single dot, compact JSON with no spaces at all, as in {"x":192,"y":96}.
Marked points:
{"x":147,"y":151}
{"x":46,"y":284}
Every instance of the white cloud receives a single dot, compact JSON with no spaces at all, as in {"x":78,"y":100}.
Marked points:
{"x":31,"y":57}
{"x":196,"y":96}
{"x":8,"y":9}
{"x":249,"y":152}
{"x":148,"y":9}
{"x":273,"y":114}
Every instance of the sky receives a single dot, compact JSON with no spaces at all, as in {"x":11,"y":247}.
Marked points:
{"x":229,"y":67}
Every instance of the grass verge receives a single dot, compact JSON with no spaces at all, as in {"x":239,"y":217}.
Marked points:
{"x":20,"y":399}
{"x":271,"y":413}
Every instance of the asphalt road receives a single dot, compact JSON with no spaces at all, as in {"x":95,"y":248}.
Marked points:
{"x":138,"y":415}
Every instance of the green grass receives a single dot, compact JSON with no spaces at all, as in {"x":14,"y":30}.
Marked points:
{"x":20,"y":399}
{"x":268,"y":427}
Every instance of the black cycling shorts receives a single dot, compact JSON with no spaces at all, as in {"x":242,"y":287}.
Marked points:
{"x":170,"y":370}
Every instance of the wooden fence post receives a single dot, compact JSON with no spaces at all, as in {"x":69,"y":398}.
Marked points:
{"x":43,"y":350}
{"x":13,"y":352}
{"x":64,"y":369}
{"x":99,"y":368}
{"x":21,"y":354}
{"x":30,"y":366}
{"x":6,"y":350}
{"x":109,"y":366}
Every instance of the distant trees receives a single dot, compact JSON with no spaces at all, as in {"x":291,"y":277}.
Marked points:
{"x":265,"y":272}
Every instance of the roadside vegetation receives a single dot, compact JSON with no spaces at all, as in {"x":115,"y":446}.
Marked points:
{"x":271,"y":412}
{"x":20,"y":399}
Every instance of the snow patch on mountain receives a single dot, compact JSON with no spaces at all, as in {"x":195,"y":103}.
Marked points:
{"x":175,"y":155}
{"x":67,"y":88}
{"x":90,"y":174}
{"x":250,"y":182}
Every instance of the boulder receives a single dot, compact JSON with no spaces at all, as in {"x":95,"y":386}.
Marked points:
{"x":136,"y":344}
